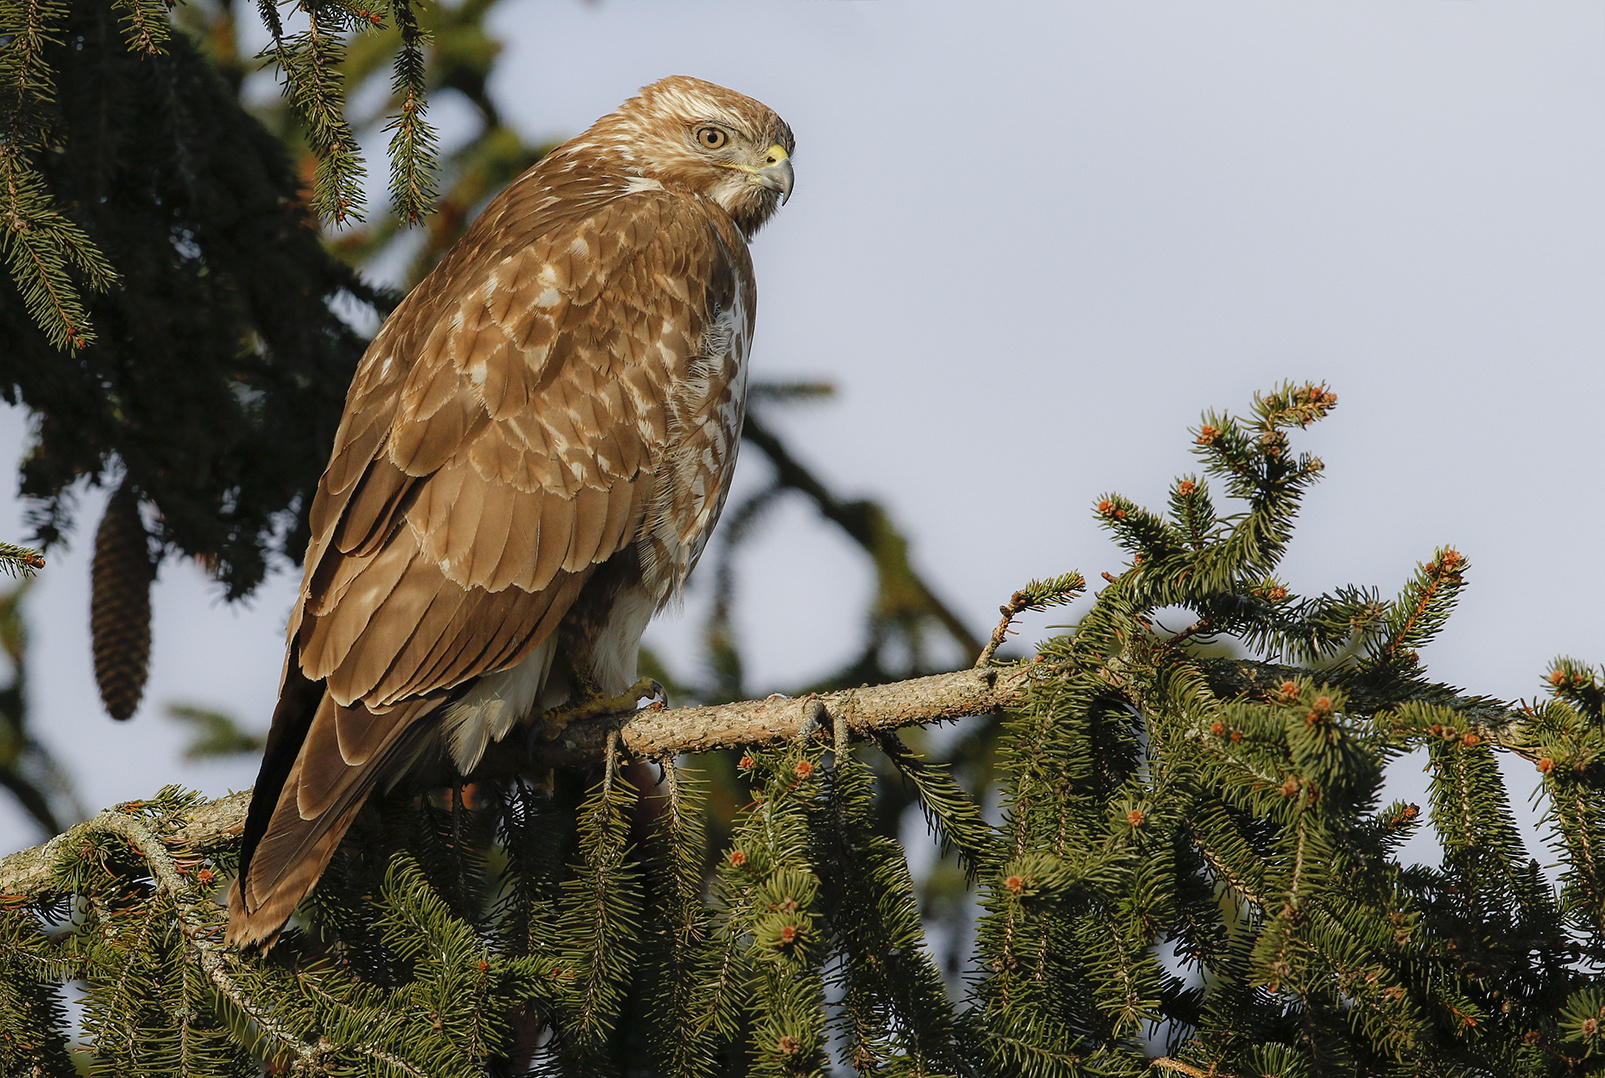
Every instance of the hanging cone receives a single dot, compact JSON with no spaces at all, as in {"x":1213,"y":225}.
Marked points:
{"x":119,"y":605}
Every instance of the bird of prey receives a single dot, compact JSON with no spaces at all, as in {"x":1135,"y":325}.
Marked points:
{"x":533,"y":452}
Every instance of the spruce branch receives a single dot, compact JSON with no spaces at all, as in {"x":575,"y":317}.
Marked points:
{"x":415,"y":918}
{"x":659,"y":735}
{"x":311,"y":63}
{"x":20,"y":561}
{"x":1424,"y":607}
{"x":1037,"y":595}
{"x":599,"y":916}
{"x":1176,"y":1066}
{"x":950,"y":812}
{"x":43,"y":250}
{"x":1579,"y":685}
{"x":197,"y":929}
{"x":26,"y":77}
{"x":145,"y":28}
{"x":414,"y":159}
{"x":680,"y":939}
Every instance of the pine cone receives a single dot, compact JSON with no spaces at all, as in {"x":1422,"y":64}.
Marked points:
{"x":119,"y":605}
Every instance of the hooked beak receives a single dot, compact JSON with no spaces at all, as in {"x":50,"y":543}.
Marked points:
{"x":776,"y":174}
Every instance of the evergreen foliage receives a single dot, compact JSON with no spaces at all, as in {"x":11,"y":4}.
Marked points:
{"x":312,"y":61}
{"x":20,"y":561}
{"x":212,"y":380}
{"x":1188,"y":870}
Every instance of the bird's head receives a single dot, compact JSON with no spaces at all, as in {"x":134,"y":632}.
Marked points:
{"x":724,"y":146}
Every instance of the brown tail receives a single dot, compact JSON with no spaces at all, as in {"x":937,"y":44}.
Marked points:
{"x":321,"y":762}
{"x":257,"y":911}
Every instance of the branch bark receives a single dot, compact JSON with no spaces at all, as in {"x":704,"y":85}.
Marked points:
{"x":648,"y":734}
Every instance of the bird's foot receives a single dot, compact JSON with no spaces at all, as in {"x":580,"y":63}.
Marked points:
{"x":595,"y":705}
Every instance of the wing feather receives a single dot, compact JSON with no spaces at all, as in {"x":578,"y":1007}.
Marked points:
{"x":502,"y":628}
{"x":440,"y":624}
{"x":372,"y":514}
{"x":423,"y":440}
{"x":556,"y":528}
{"x":385,"y":636}
{"x":590,"y":521}
{"x":330,"y":629}
{"x":622,"y":519}
{"x":488,"y":547}
{"x":460,"y":529}
{"x":523,"y":533}
{"x":323,"y":775}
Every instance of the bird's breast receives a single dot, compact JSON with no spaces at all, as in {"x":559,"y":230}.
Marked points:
{"x":706,"y":407}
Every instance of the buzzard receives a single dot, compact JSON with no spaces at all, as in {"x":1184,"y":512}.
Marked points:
{"x":533,"y":452}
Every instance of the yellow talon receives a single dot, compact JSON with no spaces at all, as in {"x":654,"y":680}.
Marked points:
{"x":595,"y":705}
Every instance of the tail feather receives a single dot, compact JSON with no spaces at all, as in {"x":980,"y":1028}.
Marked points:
{"x":257,"y":920}
{"x":285,"y":851}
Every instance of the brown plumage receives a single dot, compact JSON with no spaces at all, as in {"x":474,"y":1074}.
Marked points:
{"x":534,"y":450}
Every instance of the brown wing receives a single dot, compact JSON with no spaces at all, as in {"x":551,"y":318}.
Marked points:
{"x":502,"y":437}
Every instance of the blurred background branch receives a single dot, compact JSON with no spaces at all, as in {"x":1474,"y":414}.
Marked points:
{"x":27,"y":770}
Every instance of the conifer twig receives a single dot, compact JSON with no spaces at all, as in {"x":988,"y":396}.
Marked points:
{"x":212,"y":957}
{"x":1168,"y":1064}
{"x":663,"y":734}
{"x":649,"y":734}
{"x":20,"y":560}
{"x":1037,"y":595}
{"x":1017,"y":605}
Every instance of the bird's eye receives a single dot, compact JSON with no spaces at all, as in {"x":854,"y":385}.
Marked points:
{"x":712,"y":138}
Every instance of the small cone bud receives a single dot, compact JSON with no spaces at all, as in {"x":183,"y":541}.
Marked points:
{"x":119,"y":605}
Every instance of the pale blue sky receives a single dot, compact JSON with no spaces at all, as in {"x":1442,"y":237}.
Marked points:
{"x":1030,"y":242}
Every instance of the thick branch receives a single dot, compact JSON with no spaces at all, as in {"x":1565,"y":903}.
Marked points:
{"x":658,"y":734}
{"x":647,"y":734}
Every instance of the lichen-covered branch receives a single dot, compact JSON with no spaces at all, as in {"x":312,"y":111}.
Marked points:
{"x":648,"y":734}
{"x":872,"y":708}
